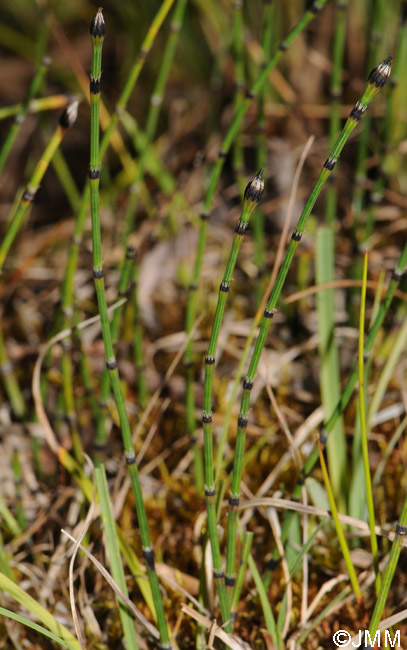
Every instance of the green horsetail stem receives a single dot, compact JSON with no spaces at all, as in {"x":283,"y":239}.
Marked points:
{"x":15,"y":220}
{"x":68,"y":282}
{"x":101,"y":433}
{"x":347,"y":392}
{"x":252,"y":196}
{"x":97,"y":31}
{"x":23,"y":110}
{"x":376,"y":81}
{"x":213,"y":182}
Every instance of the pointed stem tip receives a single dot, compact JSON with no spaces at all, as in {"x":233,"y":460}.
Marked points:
{"x":255,"y":188}
{"x":69,"y":115}
{"x":381,"y":73}
{"x":98,"y":25}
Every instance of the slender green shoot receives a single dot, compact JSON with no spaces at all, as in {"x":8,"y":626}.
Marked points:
{"x":252,"y":196}
{"x":376,"y":81}
{"x":247,"y":543}
{"x":16,"y":219}
{"x":387,"y":578}
{"x":22,"y":111}
{"x":213,"y":182}
{"x":98,"y":30}
{"x":114,"y":555}
{"x":363,"y":428}
{"x":338,"y":528}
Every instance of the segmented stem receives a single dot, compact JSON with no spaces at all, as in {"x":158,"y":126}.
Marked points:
{"x":98,"y":30}
{"x":376,"y":81}
{"x":252,"y":196}
{"x":214,"y":179}
{"x":16,"y":219}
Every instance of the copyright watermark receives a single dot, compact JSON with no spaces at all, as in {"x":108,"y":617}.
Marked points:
{"x":382,"y":639}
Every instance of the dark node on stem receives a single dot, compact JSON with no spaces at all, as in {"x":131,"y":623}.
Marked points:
{"x":209,"y":492}
{"x":206,"y":418}
{"x":123,"y":293}
{"x":366,"y":356}
{"x":188,"y":364}
{"x":335,"y":94}
{"x":111,"y":364}
{"x":218,"y":574}
{"x":142,"y":54}
{"x":204,"y":216}
{"x":330,"y":163}
{"x":71,"y":420}
{"x":98,"y":445}
{"x":300,"y":481}
{"x":69,"y":115}
{"x":294,"y":499}
{"x":234,"y":502}
{"x":98,"y":25}
{"x":229,"y":581}
{"x":209,"y":360}
{"x":357,"y":112}
{"x":193,"y":286}
{"x":247,"y":384}
{"x":397,"y":275}
{"x":242,"y":422}
{"x":241,"y":228}
{"x":175,"y":27}
{"x":222,"y":154}
{"x":381,"y":73}
{"x":130,"y":252}
{"x":401,"y":530}
{"x":314,"y":8}
{"x":28,"y":195}
{"x":224,"y":286}
{"x":130,"y":459}
{"x":98,"y":274}
{"x":250,"y":94}
{"x":296,"y":236}
{"x":255,"y":188}
{"x":404,"y":12}
{"x":94,"y":86}
{"x":273,"y":563}
{"x":375,"y":198}
{"x":94,"y":174}
{"x":102,"y":406}
{"x":323,"y":438}
{"x":6,"y":368}
{"x":148,"y":555}
{"x":283,"y":46}
{"x":268,"y":313}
